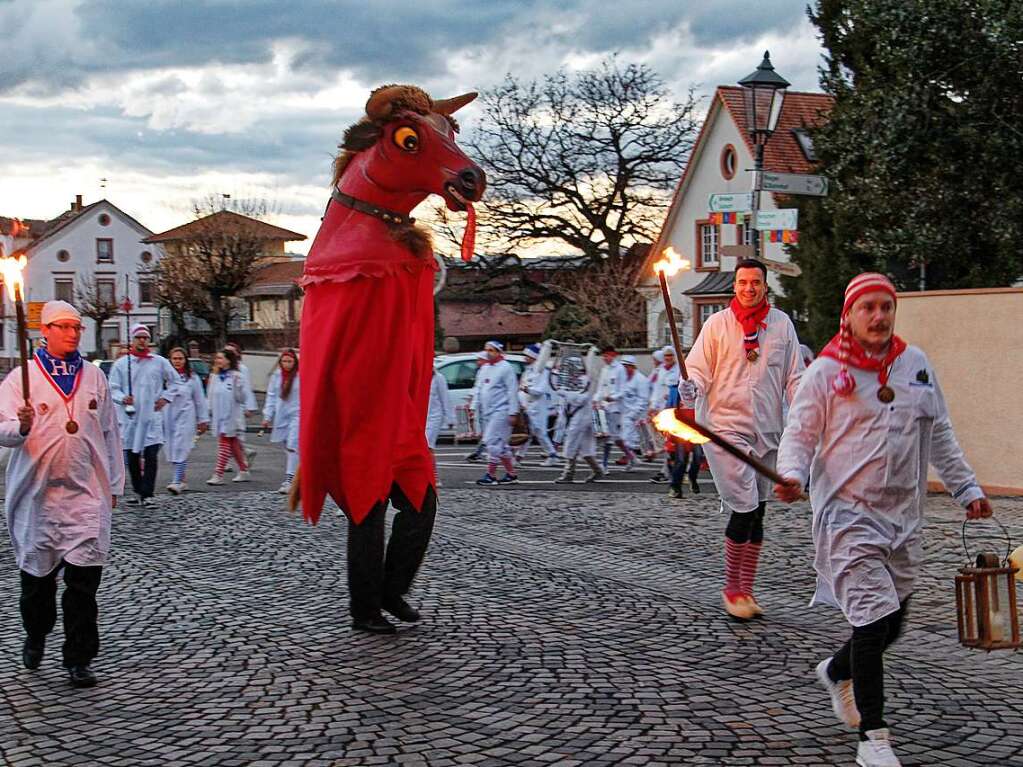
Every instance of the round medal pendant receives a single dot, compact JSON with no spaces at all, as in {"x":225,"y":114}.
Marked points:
{"x":752,"y":355}
{"x":886,"y":394}
{"x":71,"y":426}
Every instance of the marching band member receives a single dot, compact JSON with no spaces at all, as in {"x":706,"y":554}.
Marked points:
{"x":580,"y":439}
{"x":744,"y":363}
{"x":226,"y":391}
{"x":249,"y":406}
{"x":610,"y":393}
{"x":498,"y":405}
{"x":658,"y":359}
{"x":536,"y":396}
{"x":280,"y":412}
{"x":64,"y":475}
{"x":664,"y":394}
{"x":141,"y":384}
{"x":440,"y":414}
{"x":186,"y":416}
{"x":473,"y":404}
{"x":635,"y":398}
{"x":867,"y":420}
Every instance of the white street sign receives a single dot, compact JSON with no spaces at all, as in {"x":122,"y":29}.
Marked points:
{"x":730,"y":203}
{"x":794,"y":183}
{"x":787,"y":218}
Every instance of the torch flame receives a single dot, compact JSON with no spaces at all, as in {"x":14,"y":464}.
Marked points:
{"x":10,"y":271}
{"x":666,"y":422}
{"x":671,"y":264}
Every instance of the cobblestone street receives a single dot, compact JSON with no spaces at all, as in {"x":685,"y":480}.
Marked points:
{"x":559,"y":628}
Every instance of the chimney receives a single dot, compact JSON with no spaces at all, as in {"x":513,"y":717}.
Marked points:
{"x":78,"y":203}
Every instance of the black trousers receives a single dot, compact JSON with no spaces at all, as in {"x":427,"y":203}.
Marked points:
{"x":143,"y":478}
{"x":375,"y":576}
{"x":861,"y":659}
{"x":678,"y":463}
{"x":39,"y":610}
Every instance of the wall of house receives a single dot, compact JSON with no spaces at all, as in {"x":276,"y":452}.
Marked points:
{"x":79,"y":240}
{"x":704,"y":177}
{"x":973,"y":339}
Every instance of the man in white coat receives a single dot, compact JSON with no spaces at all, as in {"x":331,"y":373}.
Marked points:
{"x":863,"y":427}
{"x":635,"y":398}
{"x":499,"y":407}
{"x":664,"y":394}
{"x":63,"y":479}
{"x":536,"y":399}
{"x":441,"y":413}
{"x":610,"y":395}
{"x":473,"y":404}
{"x":743,"y":365}
{"x":142,"y":383}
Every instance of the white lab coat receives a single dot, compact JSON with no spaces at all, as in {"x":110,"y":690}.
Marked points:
{"x":60,"y":485}
{"x":580,"y":440}
{"x":867,"y":464}
{"x":536,"y":394}
{"x":660,"y":390}
{"x":441,"y":410}
{"x":282,"y":413}
{"x":182,"y":416}
{"x":611,"y":387}
{"x":498,"y":390}
{"x":742,"y":400}
{"x":152,"y":378}
{"x":635,"y":399}
{"x":227,"y":402}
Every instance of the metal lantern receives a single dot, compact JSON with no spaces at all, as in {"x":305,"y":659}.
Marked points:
{"x":764,"y":92}
{"x":986,"y":603}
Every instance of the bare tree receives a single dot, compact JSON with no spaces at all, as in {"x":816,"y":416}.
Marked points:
{"x":95,"y":303}
{"x":201,"y":273}
{"x":584,"y":160}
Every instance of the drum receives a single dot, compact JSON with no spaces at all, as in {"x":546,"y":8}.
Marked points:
{"x":465,"y":424}
{"x":520,"y":430}
{"x":600,"y":427}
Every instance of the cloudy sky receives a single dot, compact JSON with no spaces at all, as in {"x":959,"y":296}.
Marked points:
{"x":172,"y":100}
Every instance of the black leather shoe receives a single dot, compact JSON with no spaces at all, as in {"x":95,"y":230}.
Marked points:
{"x":696,"y":488}
{"x":378,"y":624}
{"x":82,"y":676}
{"x":401,"y":610}
{"x":32,"y":653}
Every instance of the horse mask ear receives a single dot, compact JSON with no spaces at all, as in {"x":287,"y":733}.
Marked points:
{"x":389,"y":99}
{"x":450,"y":106}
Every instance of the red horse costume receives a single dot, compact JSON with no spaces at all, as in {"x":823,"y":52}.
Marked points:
{"x":367,"y":321}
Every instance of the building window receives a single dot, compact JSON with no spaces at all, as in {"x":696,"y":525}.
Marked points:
{"x":665,"y":332}
{"x":744,"y":233}
{"x":805,"y":142}
{"x":106,"y":291}
{"x":728,"y":162}
{"x":104,"y":219}
{"x":146,"y":257}
{"x":706,"y":245}
{"x":146,"y":292}
{"x":63,"y":256}
{"x":104,"y":250}
{"x":705,"y":310}
{"x":109,"y":335}
{"x":64,"y":290}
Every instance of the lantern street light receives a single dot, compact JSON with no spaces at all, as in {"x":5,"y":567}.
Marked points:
{"x":763,"y":94}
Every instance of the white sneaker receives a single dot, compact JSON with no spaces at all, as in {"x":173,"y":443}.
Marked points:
{"x":551,"y":461}
{"x":285,"y":487}
{"x":215,"y":480}
{"x":174,"y":488}
{"x":843,"y":702}
{"x":876,"y":751}
{"x":243,"y":476}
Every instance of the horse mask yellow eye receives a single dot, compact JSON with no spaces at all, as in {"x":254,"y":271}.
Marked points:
{"x":407,"y":138}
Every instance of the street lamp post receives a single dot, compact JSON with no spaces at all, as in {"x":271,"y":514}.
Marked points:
{"x":763,"y":94}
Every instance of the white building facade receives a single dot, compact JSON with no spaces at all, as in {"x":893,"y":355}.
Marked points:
{"x":721,"y":163}
{"x":94,"y":248}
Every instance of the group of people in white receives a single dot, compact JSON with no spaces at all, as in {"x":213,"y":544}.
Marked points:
{"x":163,"y":404}
{"x":858,"y":428}
{"x":589,"y":421}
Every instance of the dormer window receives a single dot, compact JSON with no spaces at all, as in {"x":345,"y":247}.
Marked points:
{"x":805,"y":142}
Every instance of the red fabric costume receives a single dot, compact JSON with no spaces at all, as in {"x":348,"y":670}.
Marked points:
{"x":368,"y":322}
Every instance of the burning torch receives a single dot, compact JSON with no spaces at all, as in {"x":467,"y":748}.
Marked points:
{"x":11,"y":267}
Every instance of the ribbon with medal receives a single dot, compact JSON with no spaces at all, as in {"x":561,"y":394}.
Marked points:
{"x":71,"y":427}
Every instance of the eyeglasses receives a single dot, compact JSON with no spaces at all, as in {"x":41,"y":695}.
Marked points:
{"x":66,"y":328}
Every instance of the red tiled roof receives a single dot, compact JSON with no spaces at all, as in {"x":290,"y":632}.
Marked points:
{"x":782,"y":153}
{"x":229,"y":222}
{"x":277,"y":278}
{"x":472,"y":319}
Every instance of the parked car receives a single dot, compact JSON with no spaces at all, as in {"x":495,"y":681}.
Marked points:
{"x":459,"y":370}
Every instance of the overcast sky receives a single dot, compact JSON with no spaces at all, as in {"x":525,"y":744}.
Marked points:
{"x":170,"y":100}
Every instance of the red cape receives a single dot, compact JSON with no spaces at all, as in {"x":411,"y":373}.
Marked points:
{"x":367,"y":363}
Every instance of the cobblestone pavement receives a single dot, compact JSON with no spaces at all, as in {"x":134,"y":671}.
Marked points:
{"x":560,"y":628}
